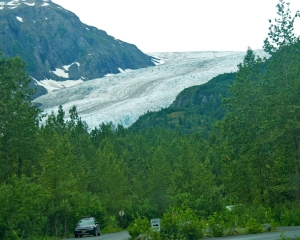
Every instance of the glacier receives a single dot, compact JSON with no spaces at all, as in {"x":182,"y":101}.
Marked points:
{"x":122,"y":98}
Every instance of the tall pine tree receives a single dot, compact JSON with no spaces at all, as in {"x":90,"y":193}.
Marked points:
{"x":18,"y":119}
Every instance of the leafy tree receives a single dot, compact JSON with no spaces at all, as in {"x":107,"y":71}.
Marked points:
{"x":55,"y":123}
{"x":109,"y":179}
{"x":281,"y":33}
{"x":260,"y":127}
{"x":159,"y":179}
{"x":192,"y":183}
{"x":283,"y":83}
{"x":240,"y":128}
{"x":23,"y":208}
{"x":18,"y":120}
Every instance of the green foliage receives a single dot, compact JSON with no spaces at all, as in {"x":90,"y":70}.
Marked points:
{"x":44,"y":238}
{"x":252,"y":226}
{"x":288,"y":214}
{"x":11,"y":235}
{"x":23,"y":207}
{"x":216,"y":226}
{"x":18,"y":120}
{"x":181,"y":223}
{"x":176,"y":223}
{"x":140,"y":225}
{"x":284,"y":237}
{"x":260,"y":129}
{"x":281,"y":33}
{"x":110,"y":225}
{"x":196,"y":109}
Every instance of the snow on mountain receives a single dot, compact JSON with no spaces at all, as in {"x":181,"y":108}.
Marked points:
{"x":52,"y":85}
{"x":15,"y":3}
{"x":57,"y":46}
{"x":122,"y":98}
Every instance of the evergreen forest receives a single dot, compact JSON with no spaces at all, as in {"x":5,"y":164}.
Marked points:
{"x":223,"y":166}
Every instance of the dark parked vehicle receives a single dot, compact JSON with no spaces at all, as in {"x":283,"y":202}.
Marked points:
{"x":87,"y":226}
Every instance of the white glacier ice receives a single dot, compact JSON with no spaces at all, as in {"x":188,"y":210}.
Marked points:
{"x":122,"y":98}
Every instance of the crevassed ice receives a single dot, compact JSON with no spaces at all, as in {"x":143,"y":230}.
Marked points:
{"x":52,"y":85}
{"x":124,"y":70}
{"x":122,"y":98}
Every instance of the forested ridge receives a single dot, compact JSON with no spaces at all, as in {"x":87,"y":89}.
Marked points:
{"x":55,"y":171}
{"x":195,"y":109}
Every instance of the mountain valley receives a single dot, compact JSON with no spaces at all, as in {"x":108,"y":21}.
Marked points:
{"x":124,"y":97}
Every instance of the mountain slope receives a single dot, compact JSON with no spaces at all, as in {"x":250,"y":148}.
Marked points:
{"x":56,"y":45}
{"x":195,"y":109}
{"x":124,"y":97}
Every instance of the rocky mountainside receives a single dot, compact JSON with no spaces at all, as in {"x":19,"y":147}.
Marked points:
{"x":56,"y":45}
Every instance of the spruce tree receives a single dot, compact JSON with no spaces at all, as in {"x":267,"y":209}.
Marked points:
{"x":18,"y":119}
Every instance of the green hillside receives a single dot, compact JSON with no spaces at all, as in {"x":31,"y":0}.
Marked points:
{"x":196,"y":109}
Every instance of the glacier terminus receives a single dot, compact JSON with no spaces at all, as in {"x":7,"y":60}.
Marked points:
{"x":122,"y":98}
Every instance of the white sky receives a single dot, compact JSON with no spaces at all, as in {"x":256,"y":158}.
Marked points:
{"x":182,"y":25}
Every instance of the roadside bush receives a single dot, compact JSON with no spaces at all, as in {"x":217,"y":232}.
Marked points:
{"x":181,"y":224}
{"x":154,"y":235}
{"x":176,"y":224}
{"x":111,"y":225}
{"x":240,"y":216}
{"x":252,"y":226}
{"x":215,"y":226}
{"x":289,"y":215}
{"x":140,"y":225}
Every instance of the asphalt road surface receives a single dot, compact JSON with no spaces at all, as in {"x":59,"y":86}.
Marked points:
{"x":290,"y":232}
{"x":110,"y":236}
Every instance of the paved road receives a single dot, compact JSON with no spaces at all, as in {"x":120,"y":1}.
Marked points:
{"x":111,"y":236}
{"x":290,"y":232}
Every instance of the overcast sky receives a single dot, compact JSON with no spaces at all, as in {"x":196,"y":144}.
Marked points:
{"x":182,"y":25}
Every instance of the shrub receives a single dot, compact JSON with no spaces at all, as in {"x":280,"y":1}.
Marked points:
{"x":11,"y":235}
{"x":215,"y":226}
{"x":140,"y":225}
{"x":181,"y":224}
{"x":289,"y":215}
{"x":111,"y":225}
{"x":252,"y":226}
